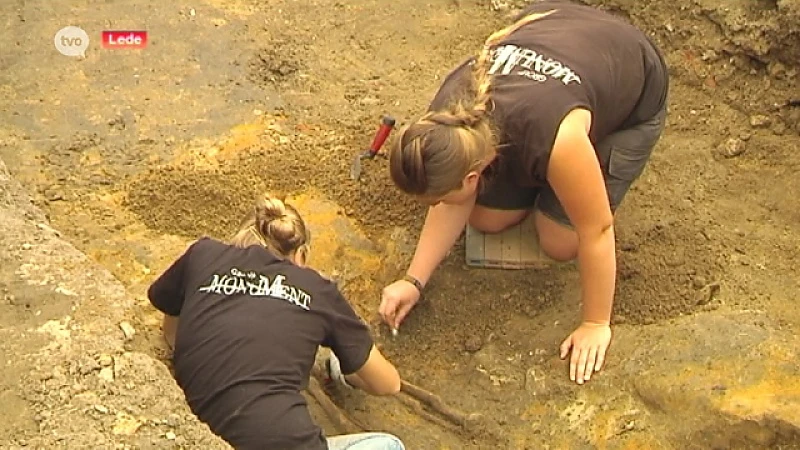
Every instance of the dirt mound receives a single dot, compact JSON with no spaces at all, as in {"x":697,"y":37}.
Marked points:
{"x":189,"y":200}
{"x":666,"y":270}
{"x":767,"y":30}
{"x":66,"y":369}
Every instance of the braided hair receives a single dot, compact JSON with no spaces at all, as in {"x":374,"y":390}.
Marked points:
{"x":432,"y":156}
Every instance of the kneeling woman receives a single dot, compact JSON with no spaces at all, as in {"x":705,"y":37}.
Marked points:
{"x":251,"y":319}
{"x":557,"y":116}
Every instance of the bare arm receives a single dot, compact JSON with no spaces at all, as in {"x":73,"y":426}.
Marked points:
{"x":169,"y":328}
{"x":577,"y":180}
{"x":443,"y":225}
{"x":575,"y":175}
{"x":377,"y":376}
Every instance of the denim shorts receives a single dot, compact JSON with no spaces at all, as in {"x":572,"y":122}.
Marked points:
{"x":365,"y":441}
{"x":623,"y":156}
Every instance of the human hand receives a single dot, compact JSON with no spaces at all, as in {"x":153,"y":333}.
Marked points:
{"x":589,"y":343}
{"x":397,"y":300}
{"x":334,"y":369}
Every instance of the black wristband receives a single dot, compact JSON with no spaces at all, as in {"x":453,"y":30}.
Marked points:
{"x":416,"y":284}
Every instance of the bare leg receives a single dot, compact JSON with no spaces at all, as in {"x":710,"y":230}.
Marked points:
{"x":556,"y":240}
{"x":490,"y":220}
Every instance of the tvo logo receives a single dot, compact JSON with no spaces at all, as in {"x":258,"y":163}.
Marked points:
{"x":71,"y":41}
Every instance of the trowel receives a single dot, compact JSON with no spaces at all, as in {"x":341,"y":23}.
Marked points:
{"x":387,"y":123}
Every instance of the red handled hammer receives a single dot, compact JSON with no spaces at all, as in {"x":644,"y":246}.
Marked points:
{"x":387,"y":123}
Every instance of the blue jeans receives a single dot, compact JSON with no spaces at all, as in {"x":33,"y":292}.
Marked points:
{"x":365,"y":441}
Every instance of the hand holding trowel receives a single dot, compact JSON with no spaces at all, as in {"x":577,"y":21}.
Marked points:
{"x":387,"y":123}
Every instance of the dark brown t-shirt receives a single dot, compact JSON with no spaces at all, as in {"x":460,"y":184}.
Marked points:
{"x":576,"y":57}
{"x":250,"y":325}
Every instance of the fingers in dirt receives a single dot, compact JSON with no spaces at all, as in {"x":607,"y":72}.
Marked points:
{"x":386,"y":313}
{"x":565,"y":347}
{"x":582,"y":361}
{"x":590,"y":362}
{"x":573,"y":364}
{"x":601,"y":358}
{"x":401,"y":315}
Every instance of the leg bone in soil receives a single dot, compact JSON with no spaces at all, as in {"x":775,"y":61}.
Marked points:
{"x":426,"y":398}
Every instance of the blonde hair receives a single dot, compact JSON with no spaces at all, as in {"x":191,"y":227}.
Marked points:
{"x":275,"y":225}
{"x":432,"y":156}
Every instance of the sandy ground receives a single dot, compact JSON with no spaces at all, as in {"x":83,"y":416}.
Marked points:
{"x":130,"y":154}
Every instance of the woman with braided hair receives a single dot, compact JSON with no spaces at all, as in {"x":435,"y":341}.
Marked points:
{"x":557,"y":116}
{"x":245,"y":320}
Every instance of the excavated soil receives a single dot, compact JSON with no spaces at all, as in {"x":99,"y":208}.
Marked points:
{"x":287,"y":99}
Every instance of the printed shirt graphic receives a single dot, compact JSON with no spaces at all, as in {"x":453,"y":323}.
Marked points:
{"x":250,"y":327}
{"x":256,"y":285}
{"x":576,"y":57}
{"x":513,"y":59}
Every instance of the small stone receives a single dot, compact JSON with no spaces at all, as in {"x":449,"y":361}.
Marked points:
{"x":779,"y":128}
{"x":776,"y":70}
{"x":732,"y":147}
{"x":101,"y":409}
{"x":107,"y":374}
{"x":473,"y":344}
{"x":105,"y":360}
{"x":709,"y":55}
{"x":760,"y":121}
{"x":27,"y":246}
{"x":699,"y":282}
{"x":53,"y":195}
{"x":707,"y":294}
{"x":626,"y":427}
{"x":369,"y":101}
{"x":500,"y":5}
{"x":88,"y":365}
{"x":126,"y":425}
{"x":127,"y":330}
{"x":170,"y":435}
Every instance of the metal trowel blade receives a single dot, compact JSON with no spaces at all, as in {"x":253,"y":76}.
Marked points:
{"x":355,"y":169}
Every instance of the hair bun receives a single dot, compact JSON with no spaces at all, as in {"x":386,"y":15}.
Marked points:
{"x":270,"y":208}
